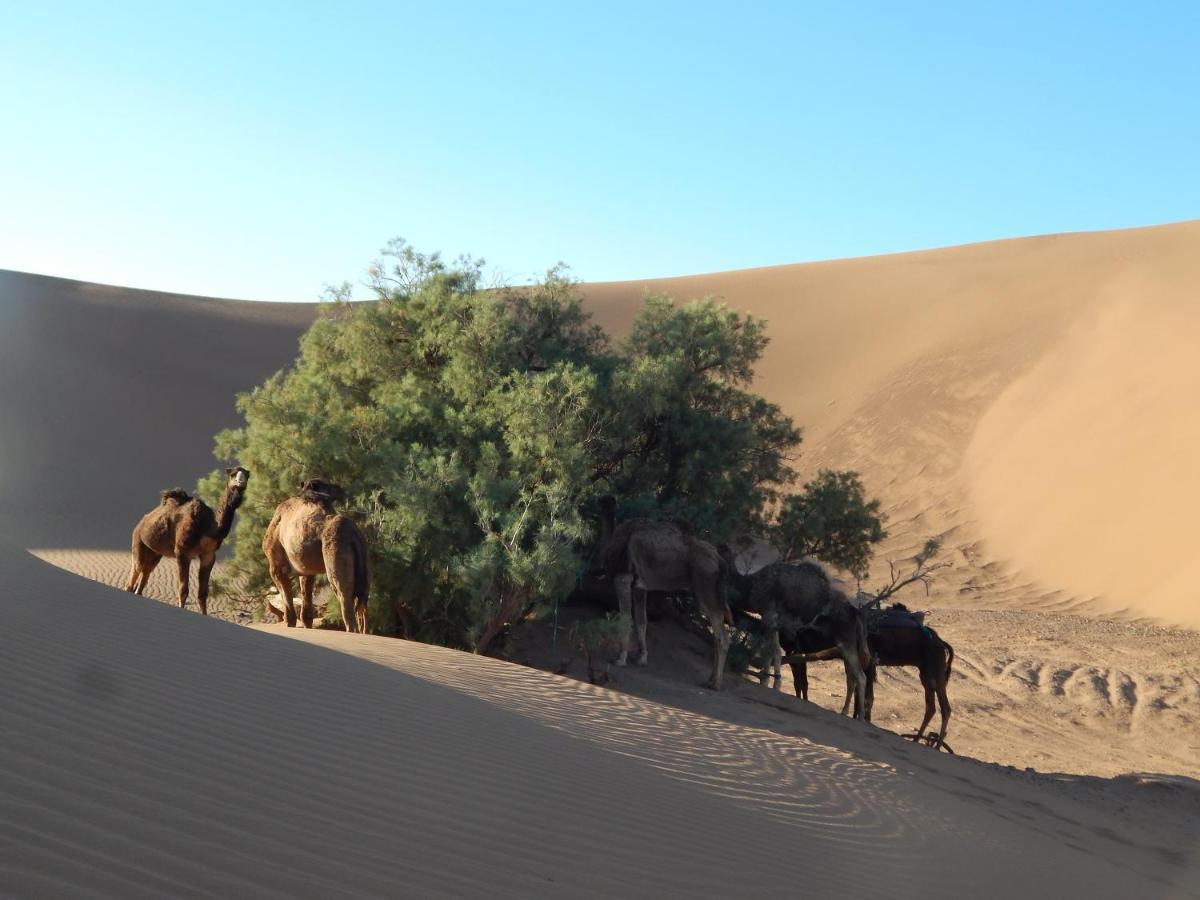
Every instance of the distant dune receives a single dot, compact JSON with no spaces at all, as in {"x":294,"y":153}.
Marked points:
{"x":1031,"y":401}
{"x":1027,"y":401}
{"x":112,"y":395}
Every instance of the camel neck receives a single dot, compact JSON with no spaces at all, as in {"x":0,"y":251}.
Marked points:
{"x":230,"y":501}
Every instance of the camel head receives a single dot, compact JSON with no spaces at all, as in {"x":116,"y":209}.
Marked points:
{"x":322,"y":491}
{"x":238,"y":478}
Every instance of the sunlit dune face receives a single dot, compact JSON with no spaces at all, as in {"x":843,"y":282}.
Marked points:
{"x":1082,"y":473}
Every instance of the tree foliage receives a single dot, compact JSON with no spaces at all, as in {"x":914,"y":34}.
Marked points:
{"x":473,"y":428}
{"x":831,"y":520}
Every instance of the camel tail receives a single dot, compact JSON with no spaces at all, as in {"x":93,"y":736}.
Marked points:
{"x":949,"y":657}
{"x":362,"y":578}
{"x":345,"y":554}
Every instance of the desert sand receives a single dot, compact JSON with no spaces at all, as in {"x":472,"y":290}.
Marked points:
{"x":983,"y":393}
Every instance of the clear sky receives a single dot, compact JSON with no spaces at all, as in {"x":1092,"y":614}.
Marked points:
{"x":261,"y":150}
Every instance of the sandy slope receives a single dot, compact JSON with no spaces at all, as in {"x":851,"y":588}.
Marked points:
{"x":1031,"y":401}
{"x":112,"y":395}
{"x":148,"y":751}
{"x":135,"y":762}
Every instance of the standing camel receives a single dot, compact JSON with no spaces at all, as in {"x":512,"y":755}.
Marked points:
{"x":307,"y":538}
{"x":643,"y":555}
{"x":896,"y":637}
{"x":798,"y":601}
{"x":185,"y":528}
{"x":900,"y":639}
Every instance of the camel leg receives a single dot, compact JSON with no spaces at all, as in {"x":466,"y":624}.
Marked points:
{"x":639,"y":625}
{"x":283,"y":581}
{"x":306,"y":606}
{"x":849,"y":694}
{"x":855,"y":674}
{"x":339,"y":569}
{"x":360,"y":613}
{"x":944,"y":704}
{"x":135,"y":573}
{"x":623,"y":584}
{"x":145,"y":575}
{"x":714,"y":610}
{"x":720,"y":651}
{"x":926,"y":683}
{"x":872,"y":672}
{"x":343,"y":586}
{"x":777,"y":659}
{"x":144,"y":562}
{"x":206,"y":566}
{"x":184,"y":564}
{"x":281,"y":574}
{"x":135,"y":569}
{"x":800,"y":678}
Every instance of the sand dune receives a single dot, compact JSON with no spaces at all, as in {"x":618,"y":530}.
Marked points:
{"x":113,"y":395}
{"x":150,"y":752}
{"x":1031,"y":401}
{"x":153,"y":752}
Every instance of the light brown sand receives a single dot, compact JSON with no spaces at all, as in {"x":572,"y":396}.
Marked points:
{"x":152,"y":752}
{"x":1031,"y":401}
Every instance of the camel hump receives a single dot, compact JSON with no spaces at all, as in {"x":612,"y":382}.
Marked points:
{"x":315,"y":490}
{"x":175,"y":496}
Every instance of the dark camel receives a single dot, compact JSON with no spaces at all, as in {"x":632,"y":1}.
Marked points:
{"x":642,"y":555}
{"x":306,"y":537}
{"x":184,"y":528}
{"x":896,"y":637}
{"x":920,"y":646}
{"x":797,"y":603}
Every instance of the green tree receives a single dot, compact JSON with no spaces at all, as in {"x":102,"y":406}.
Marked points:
{"x":474,"y":427}
{"x":830,"y":520}
{"x":685,"y":434}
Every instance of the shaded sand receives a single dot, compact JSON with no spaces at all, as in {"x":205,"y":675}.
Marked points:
{"x":136,"y":762}
{"x":112,"y":395}
{"x":150,"y":752}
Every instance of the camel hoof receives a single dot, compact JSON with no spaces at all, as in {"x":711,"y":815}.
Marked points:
{"x":622,"y":661}
{"x":643,"y":659}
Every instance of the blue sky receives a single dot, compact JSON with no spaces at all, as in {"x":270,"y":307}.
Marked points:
{"x":262,"y":150}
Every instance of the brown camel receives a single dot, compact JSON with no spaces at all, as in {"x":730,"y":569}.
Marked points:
{"x":642,"y":555}
{"x":307,"y":538}
{"x":185,"y":528}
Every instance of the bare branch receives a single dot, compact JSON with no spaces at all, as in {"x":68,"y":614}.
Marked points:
{"x":922,"y":573}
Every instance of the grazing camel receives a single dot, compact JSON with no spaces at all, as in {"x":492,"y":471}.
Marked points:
{"x":307,"y":538}
{"x":906,"y":641}
{"x":185,"y":528}
{"x":896,"y":637}
{"x":641,"y":555}
{"x":797,"y":603}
